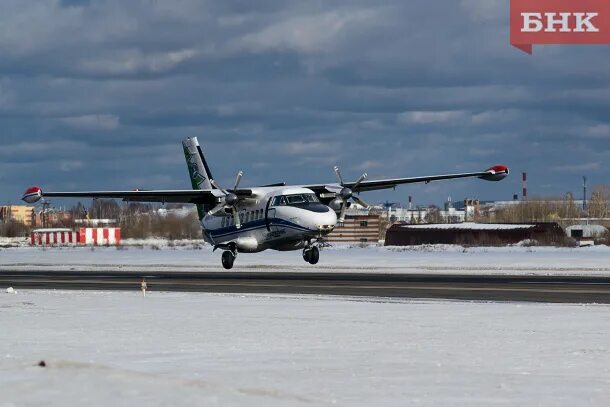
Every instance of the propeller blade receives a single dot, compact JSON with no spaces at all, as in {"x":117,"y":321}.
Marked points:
{"x":360,"y":202}
{"x":359,"y":180}
{"x":238,"y":179}
{"x":342,"y":215}
{"x":216,"y":209}
{"x":339,"y":177}
{"x":236,"y":217}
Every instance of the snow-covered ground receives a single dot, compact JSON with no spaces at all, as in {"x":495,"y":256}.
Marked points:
{"x":122,"y":349}
{"x":193,"y":256}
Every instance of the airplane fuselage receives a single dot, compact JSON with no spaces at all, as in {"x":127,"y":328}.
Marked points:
{"x":278,"y":218}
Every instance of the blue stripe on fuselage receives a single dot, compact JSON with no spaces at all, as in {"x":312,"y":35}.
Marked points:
{"x":257,"y":224}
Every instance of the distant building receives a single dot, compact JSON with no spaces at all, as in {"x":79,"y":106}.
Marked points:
{"x":17,"y":213}
{"x":50,"y":217}
{"x":420,"y":214}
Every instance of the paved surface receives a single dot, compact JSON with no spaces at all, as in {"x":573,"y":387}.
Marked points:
{"x":463,"y":287}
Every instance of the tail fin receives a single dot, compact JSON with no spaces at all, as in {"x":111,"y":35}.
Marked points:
{"x":198,"y":168}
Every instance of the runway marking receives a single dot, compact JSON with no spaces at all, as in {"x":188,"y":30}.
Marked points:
{"x":347,"y":286}
{"x":566,"y":289}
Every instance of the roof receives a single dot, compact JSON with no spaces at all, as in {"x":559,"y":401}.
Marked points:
{"x":294,"y":190}
{"x":471,"y":226}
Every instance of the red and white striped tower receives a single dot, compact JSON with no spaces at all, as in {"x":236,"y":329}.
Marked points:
{"x":524,"y":184}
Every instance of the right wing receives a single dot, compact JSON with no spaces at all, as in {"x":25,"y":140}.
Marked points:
{"x":495,"y":173}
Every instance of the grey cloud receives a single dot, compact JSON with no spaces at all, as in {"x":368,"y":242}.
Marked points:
{"x":285,"y":90}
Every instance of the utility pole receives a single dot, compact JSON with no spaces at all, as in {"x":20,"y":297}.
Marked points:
{"x":584,"y":193}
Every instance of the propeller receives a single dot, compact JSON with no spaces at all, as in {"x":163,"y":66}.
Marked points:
{"x":346,"y":193}
{"x":229,"y":200}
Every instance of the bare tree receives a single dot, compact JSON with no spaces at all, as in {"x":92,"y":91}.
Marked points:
{"x":599,"y":203}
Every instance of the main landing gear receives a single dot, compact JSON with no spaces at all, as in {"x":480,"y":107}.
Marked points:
{"x":311,"y":254}
{"x":228,"y":258}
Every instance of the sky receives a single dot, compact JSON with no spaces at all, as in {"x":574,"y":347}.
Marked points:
{"x":99,"y":94}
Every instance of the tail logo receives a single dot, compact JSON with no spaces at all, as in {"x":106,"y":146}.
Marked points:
{"x":196,"y":177}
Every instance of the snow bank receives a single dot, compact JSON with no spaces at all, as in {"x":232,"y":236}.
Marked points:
{"x":122,"y":349}
{"x":414,"y":259}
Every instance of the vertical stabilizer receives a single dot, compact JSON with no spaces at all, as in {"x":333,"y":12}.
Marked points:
{"x":198,"y":168}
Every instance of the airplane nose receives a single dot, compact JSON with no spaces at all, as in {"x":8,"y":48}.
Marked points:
{"x":325,"y":222}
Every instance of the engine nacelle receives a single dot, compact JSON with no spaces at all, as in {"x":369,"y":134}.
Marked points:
{"x":335,"y":204}
{"x":32,"y":195}
{"x":246,"y":245}
{"x":496,"y":173}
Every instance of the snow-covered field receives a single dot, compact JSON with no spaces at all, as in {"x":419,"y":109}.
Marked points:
{"x":122,"y":349}
{"x":186,"y":256}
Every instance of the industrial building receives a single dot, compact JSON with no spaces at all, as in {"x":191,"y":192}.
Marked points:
{"x":357,"y":228}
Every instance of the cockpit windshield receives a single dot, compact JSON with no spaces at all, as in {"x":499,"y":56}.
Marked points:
{"x":294,"y":200}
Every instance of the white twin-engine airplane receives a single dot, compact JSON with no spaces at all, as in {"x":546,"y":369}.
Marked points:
{"x":277,"y":216}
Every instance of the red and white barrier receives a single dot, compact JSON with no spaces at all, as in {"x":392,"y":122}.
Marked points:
{"x":100,"y":236}
{"x":53,"y":237}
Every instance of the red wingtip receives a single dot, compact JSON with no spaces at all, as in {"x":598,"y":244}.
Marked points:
{"x":32,"y":194}
{"x":496,"y":173}
{"x":498,"y":169}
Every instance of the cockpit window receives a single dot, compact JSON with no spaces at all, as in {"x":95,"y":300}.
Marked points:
{"x":294,"y":200}
{"x":278,"y":200}
{"x":311,"y":197}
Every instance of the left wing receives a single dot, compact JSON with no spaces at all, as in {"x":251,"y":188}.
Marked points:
{"x":204,"y":197}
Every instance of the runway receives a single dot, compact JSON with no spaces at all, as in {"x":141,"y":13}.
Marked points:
{"x":569,"y":289}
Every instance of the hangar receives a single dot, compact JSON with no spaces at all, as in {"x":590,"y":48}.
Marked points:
{"x":470,"y":233}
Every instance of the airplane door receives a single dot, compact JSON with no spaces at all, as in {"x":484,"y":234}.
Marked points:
{"x":269,"y":214}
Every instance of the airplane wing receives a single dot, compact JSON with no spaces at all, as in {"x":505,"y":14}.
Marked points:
{"x":495,"y":173}
{"x":205,"y":197}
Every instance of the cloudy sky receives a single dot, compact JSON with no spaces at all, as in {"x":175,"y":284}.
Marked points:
{"x":98,"y":95}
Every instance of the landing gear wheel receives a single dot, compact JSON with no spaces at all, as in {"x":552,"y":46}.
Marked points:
{"x":227,"y":259}
{"x":314,"y":255}
{"x":307,"y":255}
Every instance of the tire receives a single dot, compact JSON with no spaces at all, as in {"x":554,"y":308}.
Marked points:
{"x":314,"y":255}
{"x":307,"y":255}
{"x":227,"y":259}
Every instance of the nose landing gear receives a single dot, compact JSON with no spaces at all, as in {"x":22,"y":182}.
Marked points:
{"x":311,"y":254}
{"x":228,"y":255}
{"x":227,"y":259}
